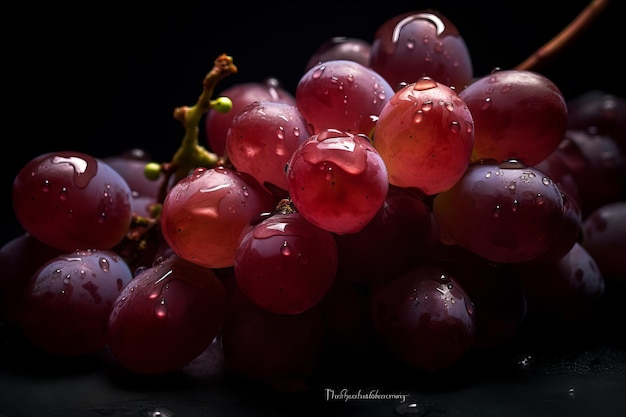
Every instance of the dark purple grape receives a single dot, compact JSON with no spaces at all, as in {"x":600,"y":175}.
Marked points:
{"x":70,"y":200}
{"x":67,"y":302}
{"x":166,"y":316}
{"x":604,"y":237}
{"x":279,"y":351}
{"x":424,"y":317}
{"x":341,"y":47}
{"x":20,"y":258}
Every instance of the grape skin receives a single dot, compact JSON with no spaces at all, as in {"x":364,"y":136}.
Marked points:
{"x":71,"y":200}
{"x":66,"y":304}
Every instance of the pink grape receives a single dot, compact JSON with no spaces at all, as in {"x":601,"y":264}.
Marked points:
{"x":204,"y":214}
{"x":216,"y":124}
{"x":337,"y":181}
{"x":425,"y":135}
{"x":342,"y":94}
{"x":262,"y":138}
{"x":70,"y":200}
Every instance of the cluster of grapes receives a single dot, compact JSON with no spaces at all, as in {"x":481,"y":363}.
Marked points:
{"x":394,"y":204}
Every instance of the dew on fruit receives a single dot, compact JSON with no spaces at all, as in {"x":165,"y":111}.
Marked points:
{"x":66,"y":280}
{"x":418,"y":116}
{"x":63,"y":194}
{"x":506,"y":88}
{"x":160,"y":309}
{"x":285,"y":249}
{"x":104,"y":264}
{"x":455,"y":127}
{"x":46,"y":186}
{"x":410,"y":43}
{"x":318,"y":72}
{"x":486,"y":104}
{"x":424,"y":83}
{"x":427,"y":105}
{"x":496,"y":212}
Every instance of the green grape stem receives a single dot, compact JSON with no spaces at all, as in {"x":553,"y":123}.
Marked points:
{"x":191,"y":154}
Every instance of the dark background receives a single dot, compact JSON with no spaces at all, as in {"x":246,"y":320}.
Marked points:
{"x":101,"y":78}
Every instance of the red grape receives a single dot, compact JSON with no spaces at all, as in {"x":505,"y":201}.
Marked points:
{"x":424,"y":317}
{"x":504,"y":213}
{"x":337,"y":181}
{"x":216,"y":124}
{"x":262,"y":138}
{"x":425,"y":136}
{"x":166,"y":316}
{"x":518,"y":115}
{"x":67,"y":302}
{"x":342,"y":94}
{"x":285,"y":264}
{"x":70,"y":200}
{"x":204,"y":214}
{"x":419,"y":44}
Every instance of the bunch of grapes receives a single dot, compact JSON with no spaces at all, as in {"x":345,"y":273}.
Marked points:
{"x":394,"y":204}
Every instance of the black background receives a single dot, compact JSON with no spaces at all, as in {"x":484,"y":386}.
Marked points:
{"x":103,"y":77}
{"x":100,"y":78}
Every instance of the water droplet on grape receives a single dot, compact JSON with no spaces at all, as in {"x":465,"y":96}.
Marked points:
{"x":488,"y":174}
{"x":104,"y":264}
{"x":63,"y":194}
{"x":410,"y":44}
{"x":318,"y":72}
{"x":66,"y":280}
{"x":496,"y":212}
{"x":285,"y":249}
{"x":160,"y":309}
{"x":455,"y":127}
{"x":418,"y":116}
{"x":486,"y":103}
{"x":46,"y":186}
{"x":540,"y":199}
{"x":56,"y":273}
{"x":546,"y":181}
{"x":84,"y":168}
{"x":424,"y":83}
{"x":506,"y":88}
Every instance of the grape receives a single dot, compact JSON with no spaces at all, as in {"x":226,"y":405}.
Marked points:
{"x":424,"y":317}
{"x":262,"y":138}
{"x":131,"y":165}
{"x":518,"y":115}
{"x":503,"y":212}
{"x":285,"y":264}
{"x":391,"y":240}
{"x":565,"y":291}
{"x":166,"y":316}
{"x":204,"y":214}
{"x":20,"y":258}
{"x":276,"y":350}
{"x":597,"y":166}
{"x":216,"y":124}
{"x":70,"y":200}
{"x":599,"y":112}
{"x":337,"y":181}
{"x":67,"y":302}
{"x":342,"y":94}
{"x":341,"y":47}
{"x":425,"y":136}
{"x":604,"y":238}
{"x":419,"y":44}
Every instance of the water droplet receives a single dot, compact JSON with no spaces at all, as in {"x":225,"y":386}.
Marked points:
{"x":56,"y":273}
{"x":496,"y":212}
{"x":418,"y":116}
{"x":296,"y":131}
{"x":102,"y":217}
{"x":506,"y":88}
{"x":63,"y":194}
{"x":104,"y":264}
{"x":424,"y":83}
{"x":317,"y":73}
{"x":334,"y":80}
{"x":410,"y":43}
{"x":546,"y":181}
{"x":511,"y":186}
{"x":280,"y":132}
{"x":46,"y":186}
{"x":350,"y":78}
{"x":540,"y":199}
{"x":66,"y":280}
{"x":449,"y":106}
{"x":455,"y":127}
{"x":285,"y":249}
{"x":160,"y":310}
{"x":486,"y":104}
{"x":488,"y":174}
{"x":427,"y":105}
{"x":515,"y":205}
